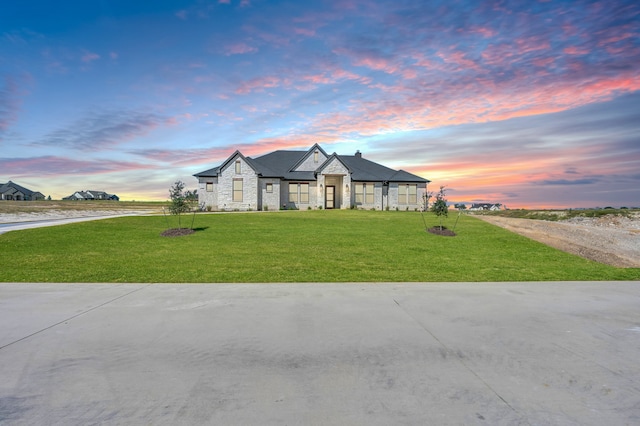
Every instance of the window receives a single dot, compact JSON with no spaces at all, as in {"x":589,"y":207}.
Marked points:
{"x":269,"y":188}
{"x":407,"y":193}
{"x":209,"y":186}
{"x":359,"y":189}
{"x":364,"y":193}
{"x":413,"y":194}
{"x":368,"y":193}
{"x":237,"y":190}
{"x":238,"y":167}
{"x":304,"y":193}
{"x":315,"y":156}
{"x":299,"y":193}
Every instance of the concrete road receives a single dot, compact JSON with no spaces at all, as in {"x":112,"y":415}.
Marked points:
{"x":325,"y":354}
{"x":17,"y":226}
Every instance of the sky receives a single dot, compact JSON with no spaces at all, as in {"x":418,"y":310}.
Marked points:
{"x":531,"y":104}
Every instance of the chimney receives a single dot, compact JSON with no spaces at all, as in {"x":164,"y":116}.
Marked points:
{"x":358,"y":154}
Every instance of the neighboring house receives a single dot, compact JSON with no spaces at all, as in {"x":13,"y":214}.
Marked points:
{"x":13,"y":191}
{"x":91,"y":195}
{"x":307,"y":179}
{"x":485,"y":206}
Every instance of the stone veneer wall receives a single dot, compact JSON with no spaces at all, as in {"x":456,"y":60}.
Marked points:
{"x":249,"y":187}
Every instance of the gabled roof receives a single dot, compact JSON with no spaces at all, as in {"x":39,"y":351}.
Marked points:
{"x":5,"y":187}
{"x":332,"y":157}
{"x":216,"y":170}
{"x":279,"y":164}
{"x":308,"y":154}
{"x":238,"y":154}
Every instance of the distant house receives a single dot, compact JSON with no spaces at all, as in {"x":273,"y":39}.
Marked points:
{"x":91,"y":195}
{"x":13,"y":191}
{"x":485,"y":206}
{"x":308,"y":179}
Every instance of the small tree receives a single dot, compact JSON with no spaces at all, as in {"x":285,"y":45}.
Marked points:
{"x":181,"y":200}
{"x":439,"y":206}
{"x":461,"y":206}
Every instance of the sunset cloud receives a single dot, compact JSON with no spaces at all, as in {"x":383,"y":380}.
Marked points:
{"x":530,"y":102}
{"x":52,"y":166}
{"x":103,"y":130}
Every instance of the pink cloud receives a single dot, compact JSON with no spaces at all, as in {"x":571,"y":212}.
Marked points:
{"x":90,"y":57}
{"x":239,"y":49}
{"x":573,"y":50}
{"x":374,"y":63}
{"x":305,"y":31}
{"x":258,"y":84}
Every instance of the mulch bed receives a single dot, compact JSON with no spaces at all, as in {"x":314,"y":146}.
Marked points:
{"x":444,"y":231}
{"x":177,"y":232}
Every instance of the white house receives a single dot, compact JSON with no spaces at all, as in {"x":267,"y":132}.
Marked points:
{"x":307,"y":179}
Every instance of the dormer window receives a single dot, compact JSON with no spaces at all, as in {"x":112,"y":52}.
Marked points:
{"x":238,"y":167}
{"x":315,"y":156}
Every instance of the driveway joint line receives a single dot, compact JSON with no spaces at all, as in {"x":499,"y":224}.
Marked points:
{"x":459,"y":359}
{"x":74,"y":316}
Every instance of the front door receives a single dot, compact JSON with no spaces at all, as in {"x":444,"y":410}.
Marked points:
{"x":329,"y":198}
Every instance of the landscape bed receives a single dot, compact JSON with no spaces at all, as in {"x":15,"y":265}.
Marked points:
{"x":290,"y":246}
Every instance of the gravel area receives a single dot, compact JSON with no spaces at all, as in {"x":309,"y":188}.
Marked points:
{"x":612,"y":240}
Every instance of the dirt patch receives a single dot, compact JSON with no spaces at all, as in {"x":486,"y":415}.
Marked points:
{"x":177,"y":232}
{"x":612,"y":240}
{"x":442,"y":231}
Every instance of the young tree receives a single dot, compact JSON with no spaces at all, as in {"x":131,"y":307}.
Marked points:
{"x":439,"y":206}
{"x":181,"y":200}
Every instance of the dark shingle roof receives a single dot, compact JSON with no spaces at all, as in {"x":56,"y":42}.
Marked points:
{"x":17,"y":187}
{"x":280,"y":163}
{"x":365,"y":170}
{"x":277,"y":163}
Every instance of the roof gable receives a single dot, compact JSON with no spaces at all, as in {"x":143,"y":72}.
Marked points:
{"x":333,"y":158}
{"x":309,"y":153}
{"x":233,"y":157}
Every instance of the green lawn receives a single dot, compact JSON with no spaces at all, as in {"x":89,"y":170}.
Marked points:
{"x":296,"y":246}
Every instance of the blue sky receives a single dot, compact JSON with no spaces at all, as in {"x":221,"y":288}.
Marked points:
{"x":526,"y":103}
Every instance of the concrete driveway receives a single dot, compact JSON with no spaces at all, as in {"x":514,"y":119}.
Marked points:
{"x":328,"y":354}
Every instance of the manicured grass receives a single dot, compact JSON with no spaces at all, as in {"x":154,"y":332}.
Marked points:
{"x":304,"y":246}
